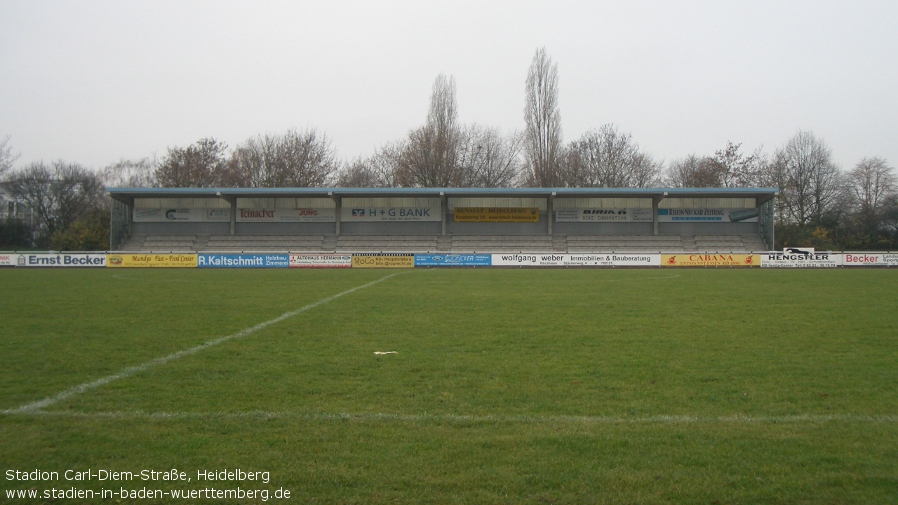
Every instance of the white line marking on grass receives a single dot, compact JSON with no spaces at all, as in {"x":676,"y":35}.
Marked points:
{"x":128,"y":372}
{"x":460,"y":418}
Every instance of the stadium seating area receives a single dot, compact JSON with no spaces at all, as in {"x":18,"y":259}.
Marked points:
{"x":444,"y":244}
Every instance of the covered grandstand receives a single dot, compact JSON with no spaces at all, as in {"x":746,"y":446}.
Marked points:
{"x":442,"y":220}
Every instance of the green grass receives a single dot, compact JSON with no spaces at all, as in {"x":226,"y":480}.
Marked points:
{"x":509,"y":386}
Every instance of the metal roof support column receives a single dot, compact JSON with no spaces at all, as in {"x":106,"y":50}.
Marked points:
{"x":444,"y":204}
{"x":129,"y":209}
{"x":232,"y":200}
{"x":655,"y":201}
{"x":338,"y":206}
{"x":550,"y":210}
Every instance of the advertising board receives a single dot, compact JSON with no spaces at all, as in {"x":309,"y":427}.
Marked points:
{"x":151,"y":260}
{"x":496,"y":215}
{"x":7,"y":260}
{"x":242,"y":260}
{"x":710,"y":260}
{"x":383,"y":260}
{"x":60,"y":260}
{"x":320,"y":260}
{"x":576,"y":260}
{"x":870,"y":259}
{"x":708,"y":215}
{"x":603,"y":215}
{"x":453,"y":260}
{"x":167,"y":215}
{"x":355,"y":214}
{"x":286,"y":215}
{"x":800,"y":258}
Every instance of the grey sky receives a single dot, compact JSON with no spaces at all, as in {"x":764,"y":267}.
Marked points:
{"x":93,"y":82}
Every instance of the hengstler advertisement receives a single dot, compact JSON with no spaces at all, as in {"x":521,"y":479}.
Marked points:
{"x":576,"y":260}
{"x":870,"y":260}
{"x":61,"y":260}
{"x":453,"y":260}
{"x":804,"y":257}
{"x":243,"y":260}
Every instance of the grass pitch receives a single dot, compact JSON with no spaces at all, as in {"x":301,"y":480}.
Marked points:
{"x":507,"y":386}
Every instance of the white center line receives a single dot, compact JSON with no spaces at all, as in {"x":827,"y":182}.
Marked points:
{"x":128,"y":372}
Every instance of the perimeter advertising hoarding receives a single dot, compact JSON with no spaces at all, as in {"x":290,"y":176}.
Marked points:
{"x":453,"y":260}
{"x":383,"y":260}
{"x":795,"y":258}
{"x":320,"y":260}
{"x":710,"y":260}
{"x":243,"y":260}
{"x":870,"y":260}
{"x":168,"y":215}
{"x":576,"y":260}
{"x":286,"y":215}
{"x":355,"y":214}
{"x":60,"y":260}
{"x":603,"y":215}
{"x":496,"y":215}
{"x":151,"y":260}
{"x":708,"y":215}
{"x":7,"y":260}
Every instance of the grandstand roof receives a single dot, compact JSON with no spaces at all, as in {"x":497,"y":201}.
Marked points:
{"x":762,"y":194}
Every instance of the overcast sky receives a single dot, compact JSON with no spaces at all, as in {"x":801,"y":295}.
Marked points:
{"x":94,"y":82}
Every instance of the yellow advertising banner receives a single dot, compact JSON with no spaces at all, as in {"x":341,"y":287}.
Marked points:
{"x":383,"y":261}
{"x":710,"y":260}
{"x":496,"y":214}
{"x":151,"y":260}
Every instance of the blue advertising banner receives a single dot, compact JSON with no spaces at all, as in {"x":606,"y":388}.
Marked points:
{"x":243,"y":260}
{"x":453,"y":260}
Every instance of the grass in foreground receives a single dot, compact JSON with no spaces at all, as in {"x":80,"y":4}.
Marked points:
{"x":508,"y":386}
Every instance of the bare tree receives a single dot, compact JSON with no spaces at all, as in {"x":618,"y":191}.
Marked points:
{"x":736,"y":169}
{"x":58,"y":194}
{"x":129,"y":174}
{"x":726,"y":169}
{"x":377,"y":171}
{"x":7,"y":158}
{"x":294,"y":159}
{"x":430,"y":158}
{"x":543,"y":134}
{"x":693,"y":172}
{"x":609,"y":158}
{"x":491,"y":160}
{"x":200,"y":165}
{"x":871,"y":183}
{"x":810,"y":183}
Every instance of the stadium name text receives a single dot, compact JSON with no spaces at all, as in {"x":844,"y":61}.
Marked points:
{"x":99,"y":475}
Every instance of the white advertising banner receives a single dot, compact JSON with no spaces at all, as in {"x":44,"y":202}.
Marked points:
{"x":353,"y":214}
{"x":576,"y":260}
{"x":7,"y":260}
{"x":181,"y":215}
{"x":60,"y":260}
{"x":870,"y":259}
{"x":708,"y":215}
{"x":797,"y":258}
{"x":286,"y":215}
{"x":603,"y":215}
{"x":320,"y":260}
